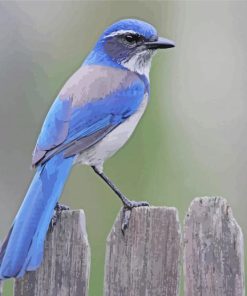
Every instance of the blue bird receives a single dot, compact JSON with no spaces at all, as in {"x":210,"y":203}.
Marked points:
{"x":92,"y":117}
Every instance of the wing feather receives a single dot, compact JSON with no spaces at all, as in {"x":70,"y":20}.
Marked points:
{"x":73,"y":128}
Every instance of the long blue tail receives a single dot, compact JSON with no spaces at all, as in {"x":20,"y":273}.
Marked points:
{"x":22,"y":250}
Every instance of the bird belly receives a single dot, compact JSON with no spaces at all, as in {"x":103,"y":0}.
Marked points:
{"x":112,"y":142}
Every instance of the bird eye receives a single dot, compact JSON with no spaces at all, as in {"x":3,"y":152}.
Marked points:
{"x":132,"y":39}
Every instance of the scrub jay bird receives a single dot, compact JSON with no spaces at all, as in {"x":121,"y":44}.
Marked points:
{"x":92,"y":117}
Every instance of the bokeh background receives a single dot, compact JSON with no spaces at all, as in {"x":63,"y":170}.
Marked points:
{"x":192,"y":140}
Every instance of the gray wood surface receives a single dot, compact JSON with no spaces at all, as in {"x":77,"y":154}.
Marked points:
{"x":1,"y":288}
{"x":66,"y":265}
{"x":213,"y":250}
{"x":145,"y":260}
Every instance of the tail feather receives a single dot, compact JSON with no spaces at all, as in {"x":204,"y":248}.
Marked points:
{"x":23,"y":248}
{"x":4,"y":245}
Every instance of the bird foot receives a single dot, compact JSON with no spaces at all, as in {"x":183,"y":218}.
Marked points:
{"x":59,"y":208}
{"x":129,"y":205}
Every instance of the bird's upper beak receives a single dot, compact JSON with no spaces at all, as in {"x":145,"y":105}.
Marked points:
{"x":160,"y":43}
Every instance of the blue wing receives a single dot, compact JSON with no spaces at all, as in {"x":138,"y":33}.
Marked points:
{"x":73,"y":129}
{"x":54,"y":130}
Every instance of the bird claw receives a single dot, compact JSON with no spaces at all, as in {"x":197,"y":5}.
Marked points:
{"x":137,"y":204}
{"x":125,"y":219}
{"x":59,"y":208}
{"x":127,"y":212}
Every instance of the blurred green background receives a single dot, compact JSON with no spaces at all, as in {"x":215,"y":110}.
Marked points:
{"x":192,"y":140}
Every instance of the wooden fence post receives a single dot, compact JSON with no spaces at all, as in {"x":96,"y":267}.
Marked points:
{"x":1,"y":288}
{"x":213,"y":250}
{"x":144,"y":261}
{"x":66,"y":265}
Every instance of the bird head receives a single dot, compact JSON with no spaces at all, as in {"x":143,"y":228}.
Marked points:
{"x":128,"y":44}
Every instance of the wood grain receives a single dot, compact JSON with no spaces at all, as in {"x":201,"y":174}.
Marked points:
{"x":213,"y":250}
{"x":145,"y":261}
{"x":66,"y":265}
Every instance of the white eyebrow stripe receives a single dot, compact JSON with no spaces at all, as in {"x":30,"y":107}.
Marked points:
{"x":120,"y":32}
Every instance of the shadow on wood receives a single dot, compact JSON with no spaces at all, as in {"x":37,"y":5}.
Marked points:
{"x":66,"y":265}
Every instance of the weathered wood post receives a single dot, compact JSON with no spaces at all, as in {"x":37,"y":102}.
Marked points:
{"x":213,"y":250}
{"x":66,"y":265}
{"x":1,"y":288}
{"x":145,"y":261}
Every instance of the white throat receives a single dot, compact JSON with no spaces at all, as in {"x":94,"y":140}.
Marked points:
{"x":140,"y":63}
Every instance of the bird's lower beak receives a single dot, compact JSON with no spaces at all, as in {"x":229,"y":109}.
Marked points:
{"x":160,"y":43}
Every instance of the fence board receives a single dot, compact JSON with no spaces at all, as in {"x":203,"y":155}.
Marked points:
{"x":1,"y":288}
{"x":145,"y":260}
{"x":213,"y":250}
{"x":65,"y":269}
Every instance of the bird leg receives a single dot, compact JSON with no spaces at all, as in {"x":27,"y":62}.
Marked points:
{"x":59,"y":208}
{"x":128,"y":204}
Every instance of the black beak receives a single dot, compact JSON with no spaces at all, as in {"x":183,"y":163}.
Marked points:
{"x":160,"y":43}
